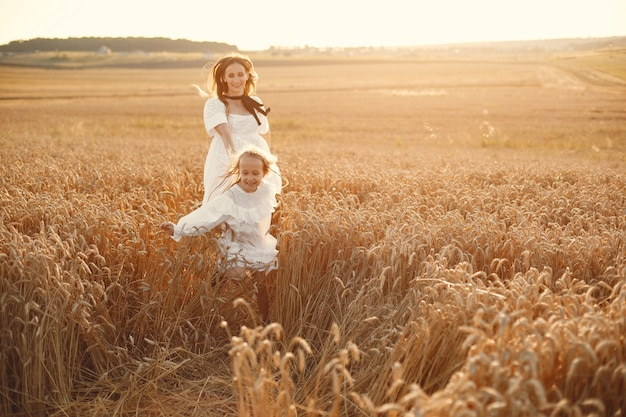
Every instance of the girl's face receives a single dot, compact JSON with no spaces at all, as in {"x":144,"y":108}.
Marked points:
{"x":235,"y":77}
{"x":250,"y":173}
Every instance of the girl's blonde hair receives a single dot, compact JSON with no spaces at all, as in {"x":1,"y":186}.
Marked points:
{"x":234,"y":172}
{"x":216,"y":85}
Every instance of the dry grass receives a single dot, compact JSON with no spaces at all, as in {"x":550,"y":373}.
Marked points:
{"x":451,"y":243}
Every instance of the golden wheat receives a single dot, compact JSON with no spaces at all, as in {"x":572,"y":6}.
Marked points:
{"x":415,"y":278}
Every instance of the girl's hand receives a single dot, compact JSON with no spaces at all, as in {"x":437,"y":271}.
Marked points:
{"x":168,"y":228}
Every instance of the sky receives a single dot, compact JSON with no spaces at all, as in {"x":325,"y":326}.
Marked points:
{"x":254,"y":25}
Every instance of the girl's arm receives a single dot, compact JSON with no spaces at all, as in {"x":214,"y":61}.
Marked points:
{"x":198,"y":222}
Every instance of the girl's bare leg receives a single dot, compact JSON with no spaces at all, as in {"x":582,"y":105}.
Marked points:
{"x":236,"y":272}
{"x":261,"y":296}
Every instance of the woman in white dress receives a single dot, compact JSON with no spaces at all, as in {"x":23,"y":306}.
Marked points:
{"x":234,"y":117}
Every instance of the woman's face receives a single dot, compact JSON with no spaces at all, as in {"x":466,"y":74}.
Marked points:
{"x":250,"y":173}
{"x":235,"y":77}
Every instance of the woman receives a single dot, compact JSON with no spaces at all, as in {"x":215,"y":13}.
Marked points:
{"x":234,"y":117}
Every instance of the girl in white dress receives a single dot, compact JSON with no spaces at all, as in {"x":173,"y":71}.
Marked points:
{"x":244,"y":212}
{"x":234,"y":117}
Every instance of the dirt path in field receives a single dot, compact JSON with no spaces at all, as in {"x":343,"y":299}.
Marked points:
{"x":552,"y":76}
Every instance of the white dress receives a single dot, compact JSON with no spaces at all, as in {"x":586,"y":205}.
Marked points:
{"x":245,"y":218}
{"x":245,"y":131}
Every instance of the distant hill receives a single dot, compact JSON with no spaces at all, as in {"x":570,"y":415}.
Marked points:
{"x":557,"y":44}
{"x":92,"y":52}
{"x":150,"y":45}
{"x":92,"y":44}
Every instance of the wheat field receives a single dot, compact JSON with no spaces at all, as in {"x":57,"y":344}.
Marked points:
{"x":451,"y":235}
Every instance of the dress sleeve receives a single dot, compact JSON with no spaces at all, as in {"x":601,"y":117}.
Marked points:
{"x":265,"y":125}
{"x":214,"y":114}
{"x":198,"y":222}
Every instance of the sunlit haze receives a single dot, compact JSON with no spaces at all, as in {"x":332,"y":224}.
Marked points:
{"x":258,"y":25}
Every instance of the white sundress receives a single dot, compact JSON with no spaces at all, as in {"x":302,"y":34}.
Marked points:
{"x":245,"y":240}
{"x":245,"y":131}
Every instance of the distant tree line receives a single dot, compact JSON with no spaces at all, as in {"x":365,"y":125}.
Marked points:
{"x":116,"y":45}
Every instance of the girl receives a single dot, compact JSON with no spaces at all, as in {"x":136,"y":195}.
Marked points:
{"x":234,"y":117}
{"x":244,"y":211}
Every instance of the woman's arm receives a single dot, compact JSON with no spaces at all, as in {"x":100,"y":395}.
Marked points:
{"x":264,"y":127}
{"x":268,"y":138}
{"x":226,"y":134}
{"x":216,"y":122}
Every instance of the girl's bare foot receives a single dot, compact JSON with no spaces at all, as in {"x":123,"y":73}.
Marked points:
{"x":168,"y":228}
